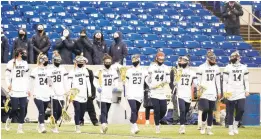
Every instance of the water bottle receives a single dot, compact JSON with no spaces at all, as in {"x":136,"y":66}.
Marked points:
{"x":124,"y":61}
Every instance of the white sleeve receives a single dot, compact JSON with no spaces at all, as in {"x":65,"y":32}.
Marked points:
{"x":88,"y":83}
{"x":27,"y":77}
{"x":70,"y":79}
{"x":32,"y":80}
{"x":96,"y":79}
{"x":195,"y":80}
{"x":218,"y":81}
{"x":8,"y":73}
{"x":199,"y":74}
{"x":65,"y":79}
{"x":246,"y":81}
{"x":115,"y":79}
{"x":148,"y":79}
{"x":225,"y":79}
{"x":167,"y":72}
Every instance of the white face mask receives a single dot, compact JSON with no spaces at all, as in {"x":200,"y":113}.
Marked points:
{"x":66,"y":33}
{"x":40,"y":27}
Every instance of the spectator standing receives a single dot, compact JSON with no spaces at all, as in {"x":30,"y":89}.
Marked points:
{"x":40,"y":42}
{"x":231,"y":12}
{"x":99,"y":47}
{"x":118,"y":51}
{"x":4,"y":47}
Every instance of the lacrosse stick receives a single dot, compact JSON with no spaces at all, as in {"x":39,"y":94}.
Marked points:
{"x":200,"y":91}
{"x":100,"y":84}
{"x":123,"y":71}
{"x":7,"y":101}
{"x":226,"y":95}
{"x":51,"y":118}
{"x":177,"y":76}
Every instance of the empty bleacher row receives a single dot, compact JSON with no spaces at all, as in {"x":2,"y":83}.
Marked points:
{"x":177,"y":28}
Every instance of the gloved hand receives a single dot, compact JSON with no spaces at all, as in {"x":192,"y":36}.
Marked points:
{"x":63,"y":38}
{"x":114,"y":90}
{"x":99,"y":89}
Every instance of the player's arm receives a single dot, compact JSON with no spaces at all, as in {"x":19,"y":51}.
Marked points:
{"x":167,"y":72}
{"x":32,"y":80}
{"x":115,"y":79}
{"x":8,"y":76}
{"x":218,"y":84}
{"x":96,"y":79}
{"x":148,"y":79}
{"x":199,"y":74}
{"x":225,"y":78}
{"x":65,"y":75}
{"x":246,"y":81}
{"x":70,"y":79}
{"x":26,"y":74}
{"x":88,"y":83}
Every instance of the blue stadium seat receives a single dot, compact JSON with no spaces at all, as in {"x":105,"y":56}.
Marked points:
{"x":251,"y":53}
{"x":176,"y":18}
{"x":8,"y":27}
{"x":245,"y":60}
{"x":41,"y":8}
{"x":79,"y":16}
{"x":200,"y":38}
{"x":145,"y":63}
{"x":186,"y":12}
{"x":168,"y":24}
{"x":121,"y":10}
{"x":178,"y":6}
{"x":95,"y":16}
{"x":162,"y":5}
{"x":133,"y":50}
{"x":92,"y":29}
{"x":62,"y":15}
{"x":119,"y":23}
{"x":194,"y":58}
{"x":53,"y":35}
{"x":102,"y":23}
{"x":10,"y":14}
{"x":130,"y":4}
{"x":5,"y":21}
{"x":181,"y":51}
{"x":222,"y":32}
{"x":141,"y":43}
{"x":191,"y":44}
{"x":143,"y":57}
{"x":159,"y":30}
{"x":226,"y":45}
{"x":112,"y":16}
{"x":4,"y":2}
{"x":167,"y":37}
{"x":192,"y":18}
{"x":196,"y":63}
{"x":106,"y":10}
{"x":210,"y":19}
{"x":177,"y":30}
{"x":46,"y":15}
{"x":126,"y":29}
{"x":217,"y":25}
{"x":56,"y":9}
{"x":166,"y":51}
{"x":169,"y":11}
{"x":257,"y":60}
{"x":198,"y":52}
{"x":252,"y":65}
{"x":152,"y":23}
{"x":37,"y":20}
{"x":30,"y":14}
{"x":136,"y":23}
{"x":114,"y":4}
{"x":16,"y":3}
{"x":217,"y":38}
{"x":137,"y":11}
{"x":24,"y":8}
{"x":89,"y":10}
{"x":11,"y":34}
{"x":17,"y":20}
{"x":76,"y":28}
{"x":246,"y":2}
{"x":184,"y":24}
{"x":157,"y":44}
{"x":86,"y":22}
{"x":129,"y":17}
{"x":208,"y":45}
{"x":51,"y":3}
{"x":143,"y":30}
{"x":257,"y":7}
{"x":109,"y":29}
{"x":69,"y":21}
{"x":229,"y":52}
{"x":145,"y":17}
{"x":153,"y":11}
{"x":195,"y":6}
{"x":72,"y":9}
{"x":134,"y":36}
{"x":83,"y":4}
{"x":68,"y":3}
{"x":221,"y":64}
{"x":6,"y":7}
{"x":209,"y":31}
{"x":243,"y":46}
{"x":150,"y":37}
{"x":184,"y":37}
{"x":202,"y":12}
{"x":151,"y":57}
{"x":193,"y":31}
{"x":218,"y":52}
{"x":148,"y":51}
{"x":98,"y":4}
{"x":48,"y":28}
{"x":201,"y":25}
{"x":172,"y":57}
{"x":168,"y":63}
{"x":175,"y":44}
{"x":109,"y":42}
{"x":234,"y":38}
{"x":147,"y":5}
{"x":223,"y":59}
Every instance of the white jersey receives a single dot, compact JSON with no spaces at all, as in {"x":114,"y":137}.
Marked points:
{"x":109,"y":80}
{"x":40,"y":84}
{"x":79,"y":78}
{"x":59,"y":77}
{"x":235,"y":80}
{"x":135,"y":78}
{"x":156,"y":76}
{"x":184,"y":85}
{"x":17,"y":75}
{"x":209,"y":77}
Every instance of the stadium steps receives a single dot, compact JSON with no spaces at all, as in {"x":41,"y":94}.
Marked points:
{"x":254,"y":36}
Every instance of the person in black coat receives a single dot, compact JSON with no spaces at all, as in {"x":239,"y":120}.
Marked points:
{"x":99,"y":47}
{"x":23,"y":42}
{"x":40,"y":42}
{"x":84,"y":46}
{"x":147,"y":104}
{"x":118,"y":51}
{"x":4,"y":47}
{"x":65,"y":47}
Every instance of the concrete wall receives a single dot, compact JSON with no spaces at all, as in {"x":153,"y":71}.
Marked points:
{"x":117,"y":110}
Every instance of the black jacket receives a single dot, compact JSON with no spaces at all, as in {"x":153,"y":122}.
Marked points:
{"x":40,"y":44}
{"x":65,"y":49}
{"x":24,"y":43}
{"x":91,"y":76}
{"x":232,"y":20}
{"x":147,"y":100}
{"x":4,"y":49}
{"x":118,"y":51}
{"x":84,"y":45}
{"x":100,"y":48}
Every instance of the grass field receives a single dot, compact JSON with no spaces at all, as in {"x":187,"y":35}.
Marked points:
{"x":123,"y":132}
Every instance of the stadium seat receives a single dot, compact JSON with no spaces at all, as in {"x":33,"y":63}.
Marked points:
{"x":175,"y":44}
{"x":218,"y":52}
{"x":134,"y":36}
{"x":210,"y":19}
{"x":234,"y":38}
{"x":208,"y":45}
{"x":10,"y":14}
{"x":69,"y":21}
{"x":76,"y":28}
{"x":109,"y":42}
{"x":159,"y":30}
{"x":95,"y":16}
{"x":148,"y":51}
{"x":57,"y":9}
{"x":192,"y":19}
{"x":6,"y":7}
{"x":37,"y":20}
{"x":257,"y":60}
{"x":126,"y":29}
{"x":102,"y":23}
{"x":184,"y":37}
{"x":133,"y":50}
{"x":143,"y":57}
{"x":221,"y":64}
{"x":129,"y":17}
{"x":184,"y":24}
{"x":130,"y":4}
{"x":160,"y":17}
{"x":181,"y":51}
{"x":89,"y":10}
{"x":157,"y":44}
{"x":121,"y":10}
{"x":196,"y":63}
{"x":151,"y":57}
{"x":119,"y":23}
{"x":141,"y":43}
{"x":8,"y":27}
{"x":166,"y":51}
{"x":137,"y":11}
{"x":143,"y":30}
{"x":98,"y":4}
{"x":79,"y":16}
{"x":193,"y":31}
{"x":229,"y":52}
{"x":46,"y":15}
{"x":145,"y":17}
{"x":176,"y":18}
{"x":162,"y":5}
{"x":191,"y":44}
{"x":177,"y":30}
{"x":217,"y":38}
{"x":30,"y":14}
{"x":136,"y":23}
{"x":202,"y":12}
{"x":112,"y":16}
{"x":109,"y":29}
{"x":114,"y":4}
{"x":201,"y":25}
{"x":11,"y":34}
{"x":245,"y":60}
{"x":222,"y":32}
{"x":178,"y":6}
{"x":152,"y":23}
{"x":168,"y":24}
{"x":48,"y":28}
{"x":209,"y":31}
{"x":68,"y":3}
{"x":150,"y":37}
{"x":226,"y":45}
{"x":172,"y":58}
{"x":252,"y":65}
{"x":169,"y":11}
{"x":72,"y":9}
{"x":62,"y":15}
{"x":41,"y":8}
{"x":195,"y":6}
{"x":167,"y":37}
{"x":223,"y":59}
{"x":145,"y":63}
{"x":16,"y":3}
{"x":168,"y":63}
{"x":243,"y":46}
{"x":86,"y":22}
{"x":92,"y":29}
{"x":106,"y":10}
{"x":147,"y":5}
{"x":51,"y":3}
{"x":217,"y":25}
{"x":251,"y":53}
{"x":24,"y":8}
{"x":198,"y":52}
{"x":193,"y":58}
{"x":185,"y":12}
{"x":200,"y":38}
{"x":17,"y":20}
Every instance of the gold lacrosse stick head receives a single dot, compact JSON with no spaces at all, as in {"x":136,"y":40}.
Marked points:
{"x":65,"y":116}
{"x":227,"y":94}
{"x":6,"y":106}
{"x":177,"y":73}
{"x":52,"y":121}
{"x":123,"y":71}
{"x":201,"y":90}
{"x":73,"y":92}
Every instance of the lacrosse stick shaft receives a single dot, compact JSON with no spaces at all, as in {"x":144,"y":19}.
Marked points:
{"x":125,"y":111}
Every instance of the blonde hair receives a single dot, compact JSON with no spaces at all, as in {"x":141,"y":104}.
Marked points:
{"x":38,"y":58}
{"x":106,"y":56}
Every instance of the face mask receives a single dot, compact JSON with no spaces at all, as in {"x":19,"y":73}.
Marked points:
{"x":117,"y":39}
{"x":233,"y":61}
{"x":79,"y":65}
{"x":183,"y":65}
{"x":107,"y":66}
{"x":135,"y":64}
{"x":40,"y":31}
{"x":211,"y":64}
{"x":56,"y":64}
{"x":24,"y":57}
{"x":83,"y":36}
{"x":45,"y":63}
{"x":21,"y":35}
{"x":159,"y":63}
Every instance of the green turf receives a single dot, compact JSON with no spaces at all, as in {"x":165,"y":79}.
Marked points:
{"x":123,"y":132}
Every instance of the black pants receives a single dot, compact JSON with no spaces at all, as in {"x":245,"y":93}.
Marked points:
{"x":239,"y":105}
{"x":41,"y":106}
{"x":57,"y":109}
{"x":18,"y":102}
{"x":105,"y":107}
{"x":147,"y":112}
{"x":79,"y":110}
{"x":207,"y":108}
{"x":135,"y":106}
{"x":160,"y":108}
{"x":183,"y":110}
{"x":91,"y":112}
{"x":233,"y":31}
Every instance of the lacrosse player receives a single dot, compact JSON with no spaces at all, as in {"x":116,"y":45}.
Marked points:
{"x":79,"y":78}
{"x":235,"y":82}
{"x":209,"y":78}
{"x":106,"y":82}
{"x":158,"y":77}
{"x":135,"y":77}
{"x":58,"y":76}
{"x":17,"y":79}
{"x":41,"y":89}
{"x":183,"y":88}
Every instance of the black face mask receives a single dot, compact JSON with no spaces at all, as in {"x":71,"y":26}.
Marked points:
{"x":40,"y":31}
{"x":183,"y":65}
{"x":107,"y":66}
{"x":233,"y":61}
{"x":79,"y":65}
{"x":117,"y":39}
{"x":135,"y":64}
{"x":21,"y":35}
{"x":24,"y":57}
{"x":159,"y":63}
{"x":83,"y":36}
{"x":45,"y":63}
{"x":211,"y":64}
{"x":56,"y":64}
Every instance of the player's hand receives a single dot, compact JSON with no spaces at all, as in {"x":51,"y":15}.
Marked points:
{"x":99,"y":90}
{"x":63,"y":38}
{"x":29,"y":94}
{"x":114,"y":90}
{"x":247,"y":94}
{"x":229,"y":13}
{"x":219,"y":96}
{"x":10,"y":88}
